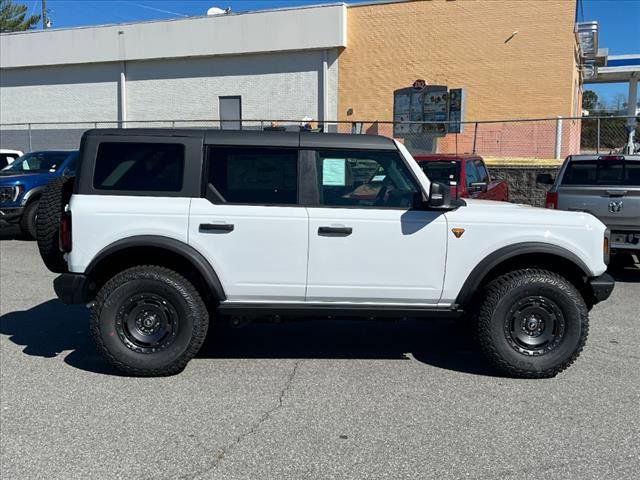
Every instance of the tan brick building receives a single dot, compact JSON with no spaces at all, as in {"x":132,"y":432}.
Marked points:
{"x":462,"y":43}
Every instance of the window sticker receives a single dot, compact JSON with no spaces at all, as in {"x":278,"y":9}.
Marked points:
{"x":334,"y":172}
{"x":378,"y":178}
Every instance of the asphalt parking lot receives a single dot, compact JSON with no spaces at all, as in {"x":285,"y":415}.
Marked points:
{"x":317,"y":399}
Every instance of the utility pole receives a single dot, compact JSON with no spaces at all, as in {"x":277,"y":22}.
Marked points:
{"x":44,"y":14}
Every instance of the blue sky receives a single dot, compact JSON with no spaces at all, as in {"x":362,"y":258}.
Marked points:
{"x":619,"y":19}
{"x":619,"y":32}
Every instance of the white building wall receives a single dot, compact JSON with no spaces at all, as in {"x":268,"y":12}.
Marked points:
{"x":59,"y":93}
{"x":285,"y":85}
{"x":272,"y":86}
{"x":302,"y":28}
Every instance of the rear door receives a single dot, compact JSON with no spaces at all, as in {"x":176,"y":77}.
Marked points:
{"x":250,"y":225}
{"x":606,"y":188}
{"x":366,"y":243}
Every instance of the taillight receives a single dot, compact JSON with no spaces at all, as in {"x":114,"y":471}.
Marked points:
{"x":606,"y":249}
{"x":551,"y":200}
{"x":64,"y":239}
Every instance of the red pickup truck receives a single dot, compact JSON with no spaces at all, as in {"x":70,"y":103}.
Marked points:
{"x":467,"y":176}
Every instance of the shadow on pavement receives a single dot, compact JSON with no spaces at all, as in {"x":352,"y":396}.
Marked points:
{"x":51,"y":328}
{"x":441,"y":343}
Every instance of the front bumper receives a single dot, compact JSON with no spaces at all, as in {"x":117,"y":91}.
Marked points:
{"x":72,"y":288}
{"x":602,"y":287}
{"x":10,"y":215}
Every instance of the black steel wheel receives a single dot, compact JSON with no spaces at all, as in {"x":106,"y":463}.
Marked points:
{"x":149,"y":321}
{"x":532,"y":323}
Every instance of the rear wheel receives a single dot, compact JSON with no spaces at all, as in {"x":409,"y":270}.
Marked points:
{"x":149,"y":321}
{"x":28,"y":220}
{"x":532,"y":323}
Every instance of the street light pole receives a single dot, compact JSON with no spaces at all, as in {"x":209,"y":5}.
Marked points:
{"x":44,"y":14}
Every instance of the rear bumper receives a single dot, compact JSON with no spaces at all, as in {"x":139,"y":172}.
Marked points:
{"x":602,"y":287}
{"x":72,"y":288}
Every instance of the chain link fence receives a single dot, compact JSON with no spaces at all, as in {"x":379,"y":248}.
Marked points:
{"x":509,"y":141}
{"x":514,"y":150}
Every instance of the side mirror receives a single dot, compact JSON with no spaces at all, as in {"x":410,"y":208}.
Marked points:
{"x":478,"y":187}
{"x":545,"y":179}
{"x":439,"y":196}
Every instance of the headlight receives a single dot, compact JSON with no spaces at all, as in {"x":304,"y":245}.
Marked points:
{"x":10,"y":194}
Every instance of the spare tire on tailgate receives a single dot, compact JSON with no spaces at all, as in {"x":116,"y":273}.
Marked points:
{"x":52,"y":202}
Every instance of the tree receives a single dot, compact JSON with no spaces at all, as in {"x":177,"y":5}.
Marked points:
{"x":13,"y":17}
{"x":589,"y":100}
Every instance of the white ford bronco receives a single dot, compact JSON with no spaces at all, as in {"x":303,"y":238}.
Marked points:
{"x":162,"y":231}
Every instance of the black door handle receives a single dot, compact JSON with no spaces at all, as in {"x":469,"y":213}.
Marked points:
{"x":216,"y":227}
{"x":335,"y":231}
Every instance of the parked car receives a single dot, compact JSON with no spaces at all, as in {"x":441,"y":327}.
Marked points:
{"x":166,"y":230}
{"x":8,"y":156}
{"x":22,"y":184}
{"x":607,"y":186}
{"x":467,"y":175}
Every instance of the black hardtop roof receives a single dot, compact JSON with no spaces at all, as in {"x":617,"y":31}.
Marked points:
{"x":258,"y":137}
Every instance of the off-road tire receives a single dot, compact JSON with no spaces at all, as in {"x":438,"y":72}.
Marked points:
{"x":50,"y":207}
{"x":106,"y":321}
{"x":500,"y":297}
{"x":28,"y":220}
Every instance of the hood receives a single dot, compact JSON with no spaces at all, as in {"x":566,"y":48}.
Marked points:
{"x":13,"y":178}
{"x":515,"y":213}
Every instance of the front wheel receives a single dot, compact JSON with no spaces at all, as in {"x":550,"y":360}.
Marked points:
{"x":28,"y":221}
{"x":149,"y":321}
{"x":532,"y":323}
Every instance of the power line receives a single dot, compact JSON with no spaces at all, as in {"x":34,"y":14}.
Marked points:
{"x":154,"y":8}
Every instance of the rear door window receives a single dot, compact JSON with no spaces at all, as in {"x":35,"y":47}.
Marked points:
{"x":146,"y":167}
{"x":254,"y":175}
{"x":602,"y":172}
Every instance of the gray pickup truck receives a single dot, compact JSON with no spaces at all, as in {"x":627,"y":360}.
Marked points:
{"x":607,"y":186}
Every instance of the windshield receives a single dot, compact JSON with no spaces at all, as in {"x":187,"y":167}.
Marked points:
{"x":37,"y":162}
{"x":443,"y":171}
{"x":602,"y":172}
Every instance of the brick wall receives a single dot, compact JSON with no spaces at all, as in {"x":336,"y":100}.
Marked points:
{"x":515,"y":139}
{"x":461,"y":44}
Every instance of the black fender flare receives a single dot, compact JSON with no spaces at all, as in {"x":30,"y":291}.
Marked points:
{"x":491,"y":261}
{"x":187,"y":252}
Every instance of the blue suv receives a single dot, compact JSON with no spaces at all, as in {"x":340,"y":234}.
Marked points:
{"x":23,"y":181}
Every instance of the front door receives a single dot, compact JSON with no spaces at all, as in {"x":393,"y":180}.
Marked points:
{"x":366,"y":243}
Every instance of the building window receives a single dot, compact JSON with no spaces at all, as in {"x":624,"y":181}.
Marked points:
{"x":230,"y":113}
